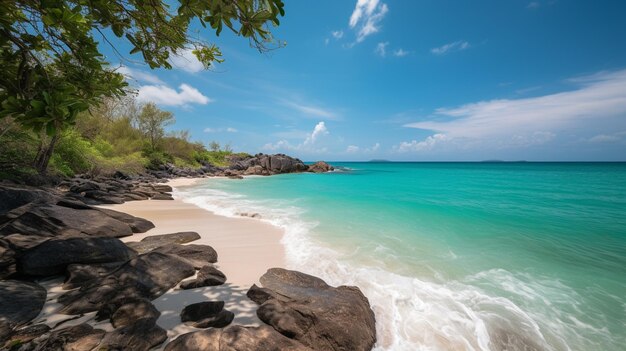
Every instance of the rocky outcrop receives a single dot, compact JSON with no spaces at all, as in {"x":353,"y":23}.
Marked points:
{"x":206,"y":314}
{"x":53,"y":256}
{"x":150,"y":243}
{"x":320,"y":167}
{"x":305,"y":308}
{"x":207,"y":276}
{"x":235,"y":338}
{"x":196,"y":255}
{"x":142,"y":335}
{"x":83,"y":274}
{"x":80,"y":337}
{"x":147,"y":276}
{"x":262,"y":164}
{"x":133,"y":311}
{"x":51,"y":220}
{"x":20,"y":302}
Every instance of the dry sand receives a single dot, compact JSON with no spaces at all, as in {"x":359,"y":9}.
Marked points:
{"x":246,"y":248}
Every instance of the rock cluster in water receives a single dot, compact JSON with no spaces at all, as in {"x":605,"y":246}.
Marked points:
{"x":58,"y":231}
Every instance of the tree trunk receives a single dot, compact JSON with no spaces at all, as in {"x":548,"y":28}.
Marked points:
{"x":44,"y":153}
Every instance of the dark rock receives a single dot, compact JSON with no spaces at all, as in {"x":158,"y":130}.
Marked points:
{"x":121,"y":175}
{"x":320,"y":167}
{"x":133,"y":311}
{"x":7,"y":260}
{"x":307,"y":309}
{"x":20,"y":242}
{"x":20,"y":302}
{"x":206,"y":314}
{"x":52,"y":220}
{"x":207,"y":276}
{"x":162,"y":197}
{"x":235,"y":338}
{"x":280,"y":163}
{"x":82,"y":337}
{"x":142,"y":335}
{"x":12,"y":197}
{"x":136,"y":224}
{"x":151,"y":242}
{"x":85,"y":185}
{"x":79,"y":275}
{"x":146,"y":276}
{"x":134,"y":197}
{"x":103,"y":197}
{"x":162,"y":188}
{"x":26,"y":334}
{"x":53,"y":256}
{"x":75,"y":204}
{"x":196,"y":255}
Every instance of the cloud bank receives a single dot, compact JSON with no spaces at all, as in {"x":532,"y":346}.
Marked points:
{"x":598,"y":100}
{"x":166,"y":96}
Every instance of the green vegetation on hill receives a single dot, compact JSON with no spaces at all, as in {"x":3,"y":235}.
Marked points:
{"x":118,"y":135}
{"x":53,"y":69}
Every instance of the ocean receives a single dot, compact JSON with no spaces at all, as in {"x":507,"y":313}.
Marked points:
{"x":457,"y":256}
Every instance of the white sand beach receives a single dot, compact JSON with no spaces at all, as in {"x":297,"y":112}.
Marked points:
{"x":246,"y":248}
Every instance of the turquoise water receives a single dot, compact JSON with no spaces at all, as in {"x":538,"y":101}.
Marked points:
{"x":484,"y":256}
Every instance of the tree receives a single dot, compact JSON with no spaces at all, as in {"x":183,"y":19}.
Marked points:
{"x":151,"y":122}
{"x":214,"y":146}
{"x":52,"y":67}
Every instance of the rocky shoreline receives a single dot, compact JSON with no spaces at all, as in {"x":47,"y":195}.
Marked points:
{"x":59,"y":232}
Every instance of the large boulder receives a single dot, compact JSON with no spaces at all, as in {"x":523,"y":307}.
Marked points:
{"x":151,"y":242}
{"x":53,"y":220}
{"x":79,"y":274}
{"x":206,"y":314}
{"x":142,"y":335}
{"x":320,"y":167}
{"x":12,"y":198}
{"x":196,"y":255}
{"x":320,"y":316}
{"x":82,"y":337}
{"x":281,"y":163}
{"x":235,"y":338}
{"x":207,"y":276}
{"x":132,"y":311}
{"x":136,"y":224}
{"x":53,"y":256}
{"x":20,"y":302}
{"x":147,"y":276}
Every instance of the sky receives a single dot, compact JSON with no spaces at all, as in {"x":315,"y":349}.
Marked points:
{"x":422,"y":80}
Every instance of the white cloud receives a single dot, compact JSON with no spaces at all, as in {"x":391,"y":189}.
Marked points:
{"x":319,"y":130}
{"x":375,"y":147}
{"x":607,"y":138}
{"x":400,"y":53}
{"x":186,"y":60}
{"x":138,"y":75}
{"x":309,"y":143}
{"x":533,"y":5}
{"x":366,"y":17}
{"x":326,"y":41}
{"x":352,"y":149}
{"x":426,"y":144}
{"x":451,"y":47}
{"x":166,"y":96}
{"x":381,"y":49}
{"x":597,"y":101}
{"x":219,"y":130}
{"x":309,"y":110}
{"x":337,"y":34}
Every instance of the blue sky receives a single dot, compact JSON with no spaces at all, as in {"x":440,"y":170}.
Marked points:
{"x":423,"y":80}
